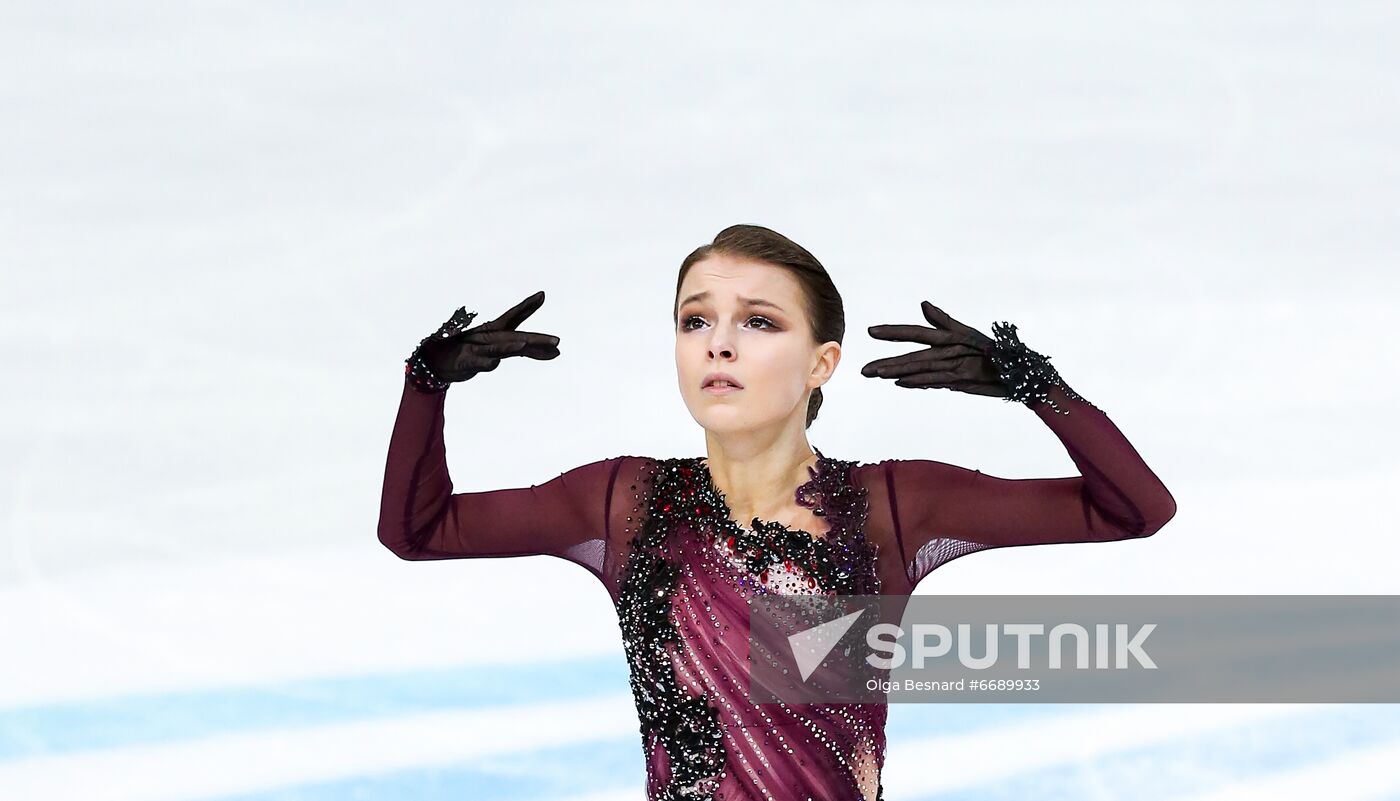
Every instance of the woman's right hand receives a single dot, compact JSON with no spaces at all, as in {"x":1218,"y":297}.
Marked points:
{"x":456,"y":353}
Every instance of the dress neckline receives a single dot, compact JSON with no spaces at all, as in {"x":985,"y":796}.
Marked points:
{"x":807,"y":495}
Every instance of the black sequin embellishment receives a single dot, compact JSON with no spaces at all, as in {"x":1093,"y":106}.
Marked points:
{"x":1027,"y":375}
{"x":842,"y":562}
{"x":833,"y":563}
{"x":416,"y":370}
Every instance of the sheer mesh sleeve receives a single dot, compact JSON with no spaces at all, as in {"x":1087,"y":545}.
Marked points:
{"x":579,"y":515}
{"x":939,"y":511}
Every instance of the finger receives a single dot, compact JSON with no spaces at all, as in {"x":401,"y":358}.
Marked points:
{"x":540,"y":346}
{"x":941,"y":319}
{"x":502,"y":344}
{"x":498,"y":337}
{"x":517,"y":314}
{"x":913,"y":333}
{"x":543,"y":354}
{"x":909,"y":366}
{"x":499,"y":350}
{"x":495,"y":353}
{"x":956,"y":351}
{"x":936,"y":378}
{"x":535,"y":338}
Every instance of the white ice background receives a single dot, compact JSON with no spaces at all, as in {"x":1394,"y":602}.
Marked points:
{"x":224,"y":225}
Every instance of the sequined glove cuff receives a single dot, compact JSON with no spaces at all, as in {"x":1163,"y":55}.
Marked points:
{"x":1028,"y":375}
{"x":416,"y":370}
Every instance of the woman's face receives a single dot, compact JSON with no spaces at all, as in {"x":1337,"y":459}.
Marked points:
{"x":748,"y":319}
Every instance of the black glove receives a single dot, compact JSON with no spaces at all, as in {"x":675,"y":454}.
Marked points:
{"x":964,"y":359}
{"x":456,"y":353}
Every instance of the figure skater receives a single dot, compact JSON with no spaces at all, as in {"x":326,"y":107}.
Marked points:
{"x":682,"y":544}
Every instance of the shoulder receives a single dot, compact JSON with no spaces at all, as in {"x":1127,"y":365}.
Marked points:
{"x":865,"y":472}
{"x":652,"y":480}
{"x":639,"y":468}
{"x":637,"y":475}
{"x":913,"y":473}
{"x":898,"y":465}
{"x":927,"y":486}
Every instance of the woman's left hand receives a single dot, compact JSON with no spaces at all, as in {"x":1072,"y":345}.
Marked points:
{"x":956,"y":357}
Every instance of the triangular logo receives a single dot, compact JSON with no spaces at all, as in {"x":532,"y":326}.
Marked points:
{"x":810,"y":646}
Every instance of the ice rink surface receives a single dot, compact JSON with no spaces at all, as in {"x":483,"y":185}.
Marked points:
{"x":224,"y":225}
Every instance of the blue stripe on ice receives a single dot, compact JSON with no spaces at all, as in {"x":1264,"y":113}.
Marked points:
{"x":148,"y":718}
{"x":1188,"y":764}
{"x":548,"y":773}
{"x":1194,"y":764}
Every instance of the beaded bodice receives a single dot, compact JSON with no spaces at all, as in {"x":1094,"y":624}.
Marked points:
{"x":683,"y":613}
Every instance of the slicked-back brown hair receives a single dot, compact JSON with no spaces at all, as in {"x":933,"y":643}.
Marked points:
{"x":821,"y":301}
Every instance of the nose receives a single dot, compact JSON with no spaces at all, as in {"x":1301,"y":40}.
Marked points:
{"x":719,"y":345}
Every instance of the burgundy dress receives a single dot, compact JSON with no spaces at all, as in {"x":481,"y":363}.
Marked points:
{"x":680,"y":571}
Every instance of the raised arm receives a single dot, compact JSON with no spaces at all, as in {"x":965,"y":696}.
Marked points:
{"x":421,"y":518}
{"x":943,"y":511}
{"x":940,"y":511}
{"x":572,"y":516}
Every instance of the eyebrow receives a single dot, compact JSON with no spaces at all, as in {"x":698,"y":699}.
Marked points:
{"x":745,"y":301}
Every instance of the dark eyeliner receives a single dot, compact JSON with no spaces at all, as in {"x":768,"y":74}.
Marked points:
{"x":685,"y":322}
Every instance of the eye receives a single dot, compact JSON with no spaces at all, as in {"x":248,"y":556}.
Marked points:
{"x":767,"y":323}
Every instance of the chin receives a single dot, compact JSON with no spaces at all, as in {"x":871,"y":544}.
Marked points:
{"x":721,"y":421}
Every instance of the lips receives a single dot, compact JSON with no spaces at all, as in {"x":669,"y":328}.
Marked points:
{"x":721,"y":380}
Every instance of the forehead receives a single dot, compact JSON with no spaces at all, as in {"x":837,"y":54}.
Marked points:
{"x":727,"y":279}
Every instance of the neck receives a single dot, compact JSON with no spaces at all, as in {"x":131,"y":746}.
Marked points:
{"x":763,"y":484}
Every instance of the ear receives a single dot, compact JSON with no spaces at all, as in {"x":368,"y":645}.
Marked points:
{"x":828,"y":356}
